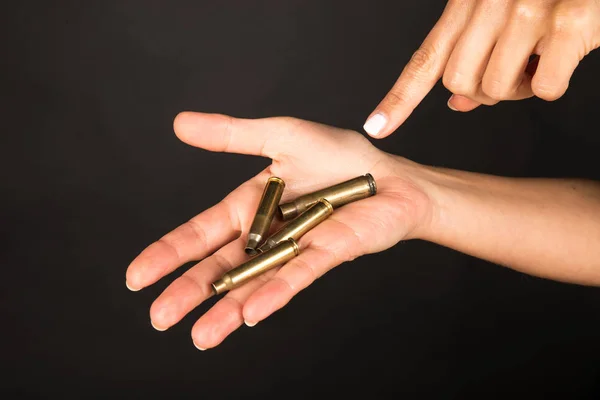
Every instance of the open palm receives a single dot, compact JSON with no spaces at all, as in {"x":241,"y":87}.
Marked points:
{"x":307,"y":156}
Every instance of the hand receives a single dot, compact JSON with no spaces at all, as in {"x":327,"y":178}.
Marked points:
{"x":482,"y":49}
{"x":308,"y":156}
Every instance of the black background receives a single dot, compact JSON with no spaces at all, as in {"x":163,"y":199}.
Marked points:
{"x":92,"y":173}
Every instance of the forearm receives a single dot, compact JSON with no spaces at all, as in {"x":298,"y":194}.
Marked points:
{"x":543,"y":227}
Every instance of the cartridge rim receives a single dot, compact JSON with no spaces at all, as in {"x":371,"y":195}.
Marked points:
{"x":372,"y":184}
{"x":294,"y":246}
{"x":327,"y":203}
{"x":276,"y":179}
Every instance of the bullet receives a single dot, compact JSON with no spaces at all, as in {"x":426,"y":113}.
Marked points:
{"x":338,"y":195}
{"x":257,"y":265}
{"x":296,"y":228}
{"x":267,"y":207}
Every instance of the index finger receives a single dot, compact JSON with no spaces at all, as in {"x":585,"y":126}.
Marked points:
{"x":424,"y":69}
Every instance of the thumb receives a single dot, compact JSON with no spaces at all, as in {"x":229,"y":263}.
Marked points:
{"x":223,"y":133}
{"x":462,"y":103}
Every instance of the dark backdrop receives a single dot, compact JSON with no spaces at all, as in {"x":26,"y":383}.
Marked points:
{"x":92,"y":173}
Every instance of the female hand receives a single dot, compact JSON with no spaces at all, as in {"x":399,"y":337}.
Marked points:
{"x":482,"y":48}
{"x":308,"y":156}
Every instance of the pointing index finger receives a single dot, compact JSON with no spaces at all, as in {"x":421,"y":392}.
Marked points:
{"x":421,"y":73}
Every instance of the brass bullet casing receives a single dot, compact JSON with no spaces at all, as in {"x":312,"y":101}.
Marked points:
{"x":296,"y":228}
{"x":267,"y":207}
{"x":257,"y":265}
{"x":343,"y":193}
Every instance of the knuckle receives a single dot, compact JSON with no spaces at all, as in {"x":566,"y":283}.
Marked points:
{"x":228,"y":129}
{"x":492,"y":5}
{"x":308,"y":272}
{"x":526,"y":11}
{"x":495,"y":88}
{"x":459,"y":3}
{"x":198,"y":233}
{"x":571,"y":18}
{"x":397,"y":96}
{"x":234,"y":215}
{"x":422,"y":62}
{"x":167,"y":243}
{"x":456,"y":83}
{"x":222,"y":263}
{"x":351,"y":245}
{"x":196,"y":284}
{"x":419,"y":69}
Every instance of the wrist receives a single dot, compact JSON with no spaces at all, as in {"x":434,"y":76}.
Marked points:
{"x":410,"y":187}
{"x":431,"y":193}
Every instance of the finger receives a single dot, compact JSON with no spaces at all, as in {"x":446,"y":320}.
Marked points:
{"x":334,"y":241}
{"x":468,"y":61}
{"x":555,"y":68}
{"x":195,"y":239}
{"x":421,"y":73}
{"x":222,"y":133}
{"x":296,"y":275}
{"x":505,"y":76}
{"x":226,"y":315}
{"x":462,"y":103}
{"x":194,"y":286}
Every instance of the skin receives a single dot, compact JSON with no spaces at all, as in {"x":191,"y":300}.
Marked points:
{"x":482,"y":48}
{"x":548,"y":228}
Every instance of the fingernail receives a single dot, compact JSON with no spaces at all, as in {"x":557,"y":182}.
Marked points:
{"x":375,"y":124}
{"x":130,"y":287}
{"x":250,"y":324}
{"x":198,"y":347}
{"x":450,"y":106}
{"x":157,"y":328}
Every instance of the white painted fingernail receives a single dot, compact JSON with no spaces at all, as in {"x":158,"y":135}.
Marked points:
{"x":250,"y":324}
{"x":130,"y":288}
{"x":157,"y":328}
{"x":198,"y":347}
{"x":450,"y":106}
{"x":375,"y":124}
